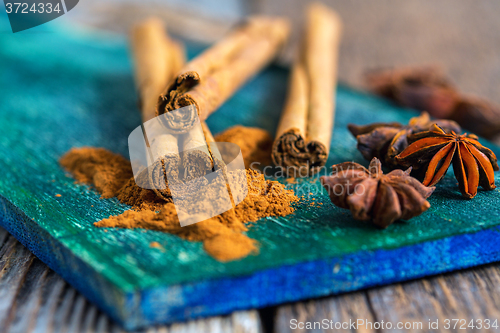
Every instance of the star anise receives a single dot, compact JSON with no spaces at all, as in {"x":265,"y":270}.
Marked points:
{"x":371,"y":195}
{"x":435,"y":150}
{"x":421,"y":88}
{"x":427,"y":88}
{"x":386,"y":140}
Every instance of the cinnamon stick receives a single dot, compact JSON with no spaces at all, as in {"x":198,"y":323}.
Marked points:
{"x":196,"y":157}
{"x":157,"y":59}
{"x":217,"y":160}
{"x":211,"y":78}
{"x":304,"y":132}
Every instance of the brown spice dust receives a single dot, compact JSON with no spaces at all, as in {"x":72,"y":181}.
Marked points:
{"x":255,"y":143}
{"x":222,"y":235}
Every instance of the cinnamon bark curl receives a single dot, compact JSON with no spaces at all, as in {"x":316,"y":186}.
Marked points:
{"x":304,"y":132}
{"x":210,"y":79}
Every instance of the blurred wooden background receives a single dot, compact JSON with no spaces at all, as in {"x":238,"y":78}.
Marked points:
{"x":461,"y":36}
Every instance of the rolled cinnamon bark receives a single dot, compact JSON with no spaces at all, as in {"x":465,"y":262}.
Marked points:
{"x":196,"y":156}
{"x":157,"y":58}
{"x":212,"y":146}
{"x":211,"y":78}
{"x":304,"y":132}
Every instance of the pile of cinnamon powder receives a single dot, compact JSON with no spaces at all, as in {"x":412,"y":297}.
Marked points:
{"x":222,"y":235}
{"x":255,"y":143}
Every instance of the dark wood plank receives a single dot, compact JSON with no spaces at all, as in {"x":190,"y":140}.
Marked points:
{"x":51,"y":291}
{"x":3,"y":237}
{"x":77,"y":316}
{"x":15,"y":261}
{"x":238,"y":322}
{"x":63,"y":313}
{"x":34,"y":299}
{"x":339,"y":309}
{"x":471,"y":294}
{"x":28,"y":300}
{"x":89,"y":318}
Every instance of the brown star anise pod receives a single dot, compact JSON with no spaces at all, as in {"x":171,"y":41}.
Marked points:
{"x":427,"y":88}
{"x":386,"y":140}
{"x":371,"y":195}
{"x":421,"y":88}
{"x":435,"y":150}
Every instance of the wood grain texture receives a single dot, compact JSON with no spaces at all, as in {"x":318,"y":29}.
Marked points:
{"x":470,"y":294}
{"x":376,"y":34}
{"x":340,"y":308}
{"x":34,"y":299}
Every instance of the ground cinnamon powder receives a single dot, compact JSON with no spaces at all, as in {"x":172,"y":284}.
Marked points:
{"x":222,"y":235}
{"x":255,"y":143}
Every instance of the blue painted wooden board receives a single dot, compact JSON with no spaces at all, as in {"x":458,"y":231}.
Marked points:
{"x":63,"y":88}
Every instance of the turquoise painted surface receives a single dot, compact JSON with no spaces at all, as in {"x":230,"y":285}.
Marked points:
{"x":64,"y":89}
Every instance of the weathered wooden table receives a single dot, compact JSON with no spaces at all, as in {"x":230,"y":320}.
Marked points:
{"x":462,"y":36}
{"x":35,"y":299}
